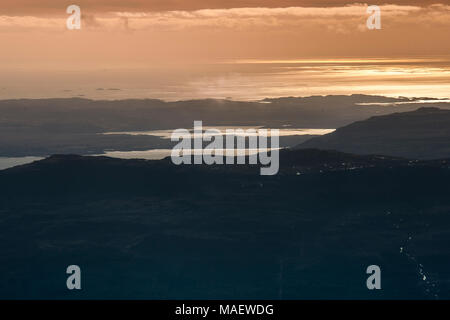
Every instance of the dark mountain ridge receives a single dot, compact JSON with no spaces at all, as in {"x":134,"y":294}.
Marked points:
{"x":40,"y":127}
{"x":149,"y":229}
{"x":420,"y":134}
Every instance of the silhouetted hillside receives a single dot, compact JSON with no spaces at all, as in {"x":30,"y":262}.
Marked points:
{"x":149,"y":229}
{"x":420,"y":134}
{"x":39,"y":127}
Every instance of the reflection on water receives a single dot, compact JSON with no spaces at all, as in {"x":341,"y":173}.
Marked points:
{"x":158,"y":154}
{"x":9,"y":162}
{"x":243,"y":80}
{"x":419,"y":101}
{"x":166,"y":134}
{"x":155,"y":154}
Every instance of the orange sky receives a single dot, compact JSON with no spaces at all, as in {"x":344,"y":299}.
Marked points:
{"x":173,"y":33}
{"x":132,"y":33}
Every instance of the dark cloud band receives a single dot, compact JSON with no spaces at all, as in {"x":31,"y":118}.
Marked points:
{"x":52,"y":7}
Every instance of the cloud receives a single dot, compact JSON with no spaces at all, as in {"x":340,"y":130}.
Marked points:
{"x":56,"y":7}
{"x":340,"y":19}
{"x":145,"y":38}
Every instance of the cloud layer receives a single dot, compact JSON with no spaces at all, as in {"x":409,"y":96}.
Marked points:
{"x":345,"y":18}
{"x":51,"y":7}
{"x":140,"y":38}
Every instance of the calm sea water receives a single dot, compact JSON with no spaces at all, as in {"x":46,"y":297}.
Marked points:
{"x":166,"y":134}
{"x":157,"y":154}
{"x":8,"y":162}
{"x":242,"y":80}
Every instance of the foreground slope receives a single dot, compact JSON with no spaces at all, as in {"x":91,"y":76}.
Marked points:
{"x":420,"y":134}
{"x":149,"y":229}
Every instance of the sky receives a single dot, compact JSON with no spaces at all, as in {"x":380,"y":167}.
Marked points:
{"x":176,"y":49}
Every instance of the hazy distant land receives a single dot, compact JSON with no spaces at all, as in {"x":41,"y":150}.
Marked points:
{"x":41,"y":127}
